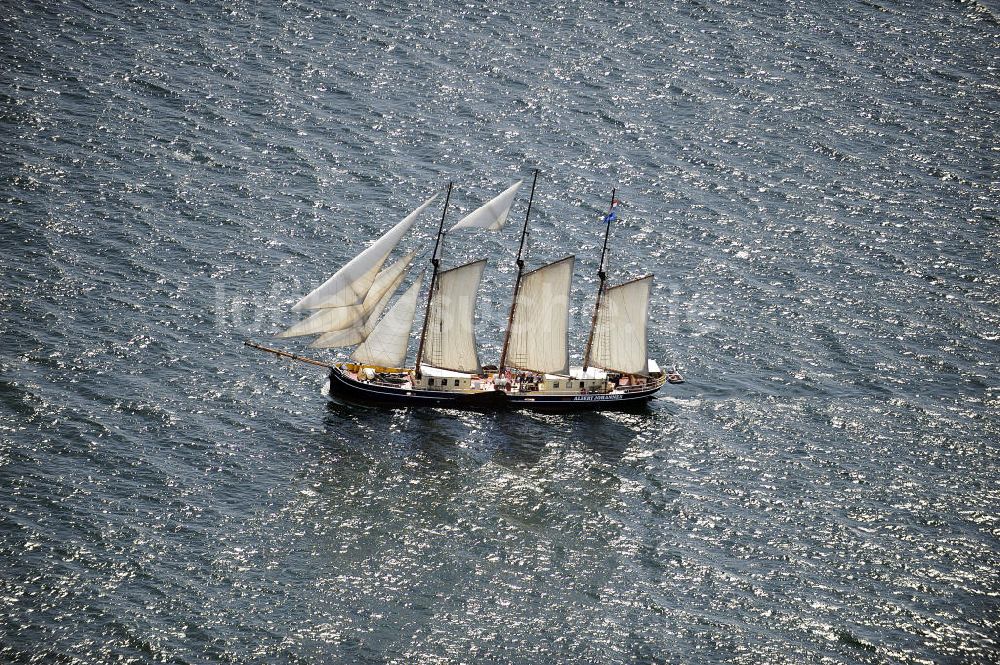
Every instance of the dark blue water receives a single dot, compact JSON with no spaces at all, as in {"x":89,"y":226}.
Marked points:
{"x":815,"y":186}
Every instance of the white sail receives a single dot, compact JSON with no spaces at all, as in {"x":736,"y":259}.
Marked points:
{"x":450,"y":339}
{"x":341,"y":338}
{"x":537,"y":340}
{"x":387,"y":343}
{"x":330,"y":319}
{"x":388,"y":280}
{"x":350,"y":284}
{"x":356,"y":333}
{"x":492,"y":214}
{"x":619,"y":335}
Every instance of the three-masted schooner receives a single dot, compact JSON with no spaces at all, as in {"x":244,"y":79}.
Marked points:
{"x":352,"y":308}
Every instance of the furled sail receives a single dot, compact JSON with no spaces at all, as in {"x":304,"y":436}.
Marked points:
{"x":351,"y":284}
{"x":331,"y":319}
{"x":450,"y":339}
{"x":537,"y":340}
{"x":360,"y":329}
{"x":620,"y":328}
{"x":492,"y":214}
{"x":386,"y":345}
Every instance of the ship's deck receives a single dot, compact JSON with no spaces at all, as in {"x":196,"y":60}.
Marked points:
{"x":527,"y":384}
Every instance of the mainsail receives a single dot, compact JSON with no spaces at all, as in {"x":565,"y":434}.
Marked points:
{"x":331,"y":319}
{"x":450,"y":340}
{"x":492,"y":214}
{"x":387,"y":343}
{"x":537,"y":340}
{"x":351,"y":284}
{"x":619,"y":334}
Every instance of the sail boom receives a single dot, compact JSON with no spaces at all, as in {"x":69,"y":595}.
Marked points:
{"x":425,"y":366}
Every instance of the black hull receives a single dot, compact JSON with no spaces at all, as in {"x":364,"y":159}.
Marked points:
{"x":381,"y":395}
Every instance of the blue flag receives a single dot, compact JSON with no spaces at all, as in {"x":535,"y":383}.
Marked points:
{"x":612,"y":215}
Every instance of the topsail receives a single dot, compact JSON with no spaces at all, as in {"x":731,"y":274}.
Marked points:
{"x":351,"y":284}
{"x":492,"y":214}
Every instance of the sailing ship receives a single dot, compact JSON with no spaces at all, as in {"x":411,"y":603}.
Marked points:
{"x":351,"y":308}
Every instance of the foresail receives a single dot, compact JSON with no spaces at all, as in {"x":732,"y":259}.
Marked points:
{"x":325,"y":320}
{"x":538,"y":337}
{"x":386,"y":345}
{"x":357,"y":332}
{"x":388,"y":280}
{"x":340,"y":338}
{"x":450,"y":339}
{"x":620,"y":328}
{"x":351,"y":284}
{"x":331,"y":319}
{"x":492,"y":214}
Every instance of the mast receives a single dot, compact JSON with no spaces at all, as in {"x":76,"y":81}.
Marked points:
{"x":517,"y":282}
{"x":603,"y":277}
{"x":436,"y":261}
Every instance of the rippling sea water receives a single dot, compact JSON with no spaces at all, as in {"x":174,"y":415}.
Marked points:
{"x":815,"y":186}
